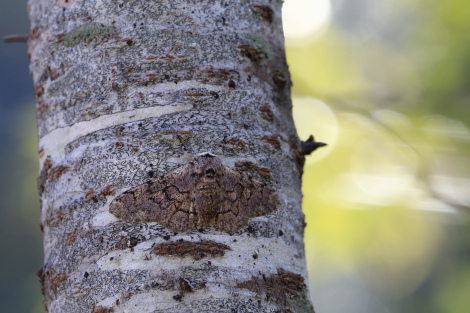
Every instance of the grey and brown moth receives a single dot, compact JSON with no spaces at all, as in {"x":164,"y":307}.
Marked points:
{"x":204,"y":193}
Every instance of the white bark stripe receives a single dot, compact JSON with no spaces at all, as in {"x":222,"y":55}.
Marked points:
{"x":54,"y":142}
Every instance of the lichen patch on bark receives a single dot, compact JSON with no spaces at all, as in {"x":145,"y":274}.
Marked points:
{"x":86,"y":33}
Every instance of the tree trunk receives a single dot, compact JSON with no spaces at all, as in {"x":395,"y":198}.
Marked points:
{"x":170,"y":167}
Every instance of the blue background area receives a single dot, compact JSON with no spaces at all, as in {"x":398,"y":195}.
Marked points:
{"x":20,"y":238}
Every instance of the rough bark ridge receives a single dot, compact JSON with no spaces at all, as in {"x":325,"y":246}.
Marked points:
{"x":129,"y":91}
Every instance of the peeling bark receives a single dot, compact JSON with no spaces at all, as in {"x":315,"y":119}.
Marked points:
{"x":129,"y":91}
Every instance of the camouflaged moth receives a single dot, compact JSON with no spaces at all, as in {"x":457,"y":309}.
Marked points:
{"x":202,"y":194}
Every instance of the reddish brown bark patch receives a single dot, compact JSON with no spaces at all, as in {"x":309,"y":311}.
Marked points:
{"x":299,"y":157}
{"x":72,"y":236}
{"x":121,"y":243}
{"x":57,"y":171}
{"x":197,"y":250}
{"x":46,"y":166}
{"x":50,"y":279}
{"x":102,"y":309}
{"x":219,"y":75}
{"x":234,"y":142}
{"x":41,"y":109}
{"x":41,"y":227}
{"x":266,"y":113}
{"x":264,"y":11}
{"x":200,"y":98}
{"x":197,"y":94}
{"x":38,"y":93}
{"x":251,"y":53}
{"x":280,"y":287}
{"x":107,"y":191}
{"x":294,"y":283}
{"x":90,"y":195}
{"x":49,"y":173}
{"x":53,"y":73}
{"x":272,"y":140}
{"x":187,"y":285}
{"x":34,"y":33}
{"x":279,"y":80}
{"x":42,"y":277}
{"x":248,"y":166}
{"x":55,"y":217}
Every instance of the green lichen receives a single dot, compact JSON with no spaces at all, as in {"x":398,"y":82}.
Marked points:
{"x":86,"y":33}
{"x":300,"y":304}
{"x":262,"y":45}
{"x":259,"y":118}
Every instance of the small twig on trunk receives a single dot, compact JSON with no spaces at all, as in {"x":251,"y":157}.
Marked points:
{"x":310,"y":145}
{"x":16,"y":38}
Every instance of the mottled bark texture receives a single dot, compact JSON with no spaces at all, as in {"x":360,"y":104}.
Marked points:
{"x":128,"y":94}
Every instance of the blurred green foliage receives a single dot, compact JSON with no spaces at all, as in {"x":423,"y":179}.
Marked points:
{"x":387,"y":202}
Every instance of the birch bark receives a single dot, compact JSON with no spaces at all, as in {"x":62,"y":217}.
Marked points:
{"x":128,"y":91}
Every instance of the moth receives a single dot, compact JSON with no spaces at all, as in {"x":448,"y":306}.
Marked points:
{"x":202,"y":194}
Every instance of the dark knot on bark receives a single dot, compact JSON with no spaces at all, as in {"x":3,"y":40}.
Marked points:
{"x":310,"y":145}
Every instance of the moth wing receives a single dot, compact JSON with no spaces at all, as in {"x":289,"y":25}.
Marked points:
{"x":231,"y":223}
{"x":164,"y":200}
{"x":245,"y":197}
